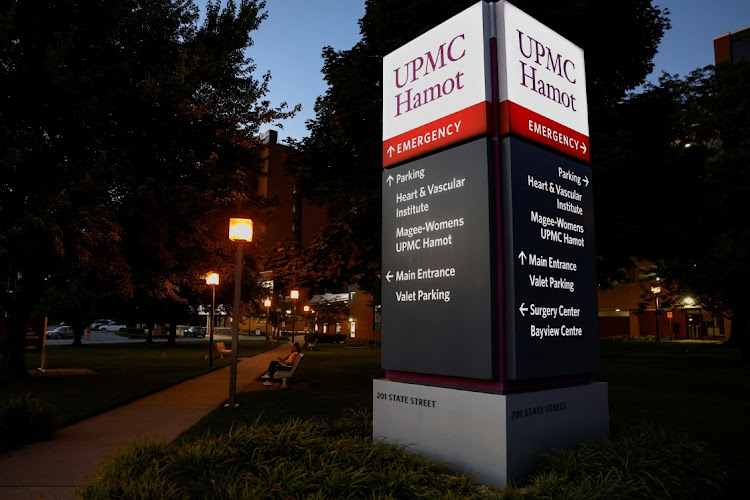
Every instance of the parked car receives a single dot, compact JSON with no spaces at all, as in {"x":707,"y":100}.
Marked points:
{"x":61,"y":332}
{"x":112,"y":327}
{"x":195,"y":331}
{"x":98,"y":323}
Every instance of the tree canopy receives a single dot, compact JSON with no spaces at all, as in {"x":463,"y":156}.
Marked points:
{"x":128,"y":135}
{"x":680,"y":166}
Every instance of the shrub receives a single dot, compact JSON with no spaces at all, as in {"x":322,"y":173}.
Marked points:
{"x":137,"y":333}
{"x":25,"y":419}
{"x":321,"y":459}
{"x":294,"y":459}
{"x":327,"y":338}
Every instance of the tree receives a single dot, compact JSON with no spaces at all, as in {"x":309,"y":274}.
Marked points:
{"x":682,"y":176}
{"x":643,"y":159}
{"x":127,"y":138}
{"x":340,"y":162}
{"x":709,"y":239}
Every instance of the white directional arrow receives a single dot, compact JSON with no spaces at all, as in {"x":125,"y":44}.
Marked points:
{"x":392,"y":149}
{"x":523,"y":309}
{"x":522,"y":256}
{"x":389,"y":180}
{"x":388,"y":276}
{"x":582,"y":145}
{"x":586,"y":180}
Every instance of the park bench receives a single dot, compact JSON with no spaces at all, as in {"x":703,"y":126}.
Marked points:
{"x":355,"y":343}
{"x":285,"y":372}
{"x":221,"y":349}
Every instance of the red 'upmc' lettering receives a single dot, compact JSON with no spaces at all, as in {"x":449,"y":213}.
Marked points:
{"x":434,"y":62}
{"x":554,"y":63}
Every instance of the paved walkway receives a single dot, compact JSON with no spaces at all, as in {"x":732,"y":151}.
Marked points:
{"x":52,"y":469}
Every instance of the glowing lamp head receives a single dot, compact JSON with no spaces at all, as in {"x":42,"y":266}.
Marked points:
{"x":267,"y":303}
{"x":212,"y":279}
{"x":240,"y":229}
{"x":655,"y":289}
{"x":689,"y":301}
{"x":306,"y":308}
{"x":294,"y":294}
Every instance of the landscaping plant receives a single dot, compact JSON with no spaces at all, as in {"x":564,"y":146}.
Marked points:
{"x":322,"y":459}
{"x":25,"y":419}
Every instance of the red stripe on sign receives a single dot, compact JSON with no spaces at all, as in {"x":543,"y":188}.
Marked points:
{"x":526,"y":123}
{"x":505,"y":117}
{"x":461,"y":125}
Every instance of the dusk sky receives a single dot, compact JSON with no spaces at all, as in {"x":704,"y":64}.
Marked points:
{"x":290,"y":40}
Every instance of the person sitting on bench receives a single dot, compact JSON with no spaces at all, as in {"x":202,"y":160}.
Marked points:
{"x":288,"y":361}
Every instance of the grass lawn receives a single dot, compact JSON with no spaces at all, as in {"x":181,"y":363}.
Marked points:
{"x":329,"y":380}
{"x":123,"y":373}
{"x":701,"y":387}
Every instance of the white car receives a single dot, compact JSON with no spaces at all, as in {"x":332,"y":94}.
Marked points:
{"x":112,"y":327}
{"x":97,"y":324}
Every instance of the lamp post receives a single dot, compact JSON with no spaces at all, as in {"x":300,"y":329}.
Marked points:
{"x":267,"y":303}
{"x":212,"y":279}
{"x":294,"y":294}
{"x":656,"y":290}
{"x":307,"y":318}
{"x":240,"y":230}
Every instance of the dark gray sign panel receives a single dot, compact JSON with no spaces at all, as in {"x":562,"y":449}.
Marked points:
{"x":437,"y":294}
{"x":550,"y":264}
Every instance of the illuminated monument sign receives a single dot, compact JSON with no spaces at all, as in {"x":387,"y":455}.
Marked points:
{"x":489,"y":288}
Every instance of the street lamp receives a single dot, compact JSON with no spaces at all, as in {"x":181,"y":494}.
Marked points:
{"x":212,"y":279}
{"x":294,"y":294}
{"x":267,"y":303}
{"x":656,"y":290}
{"x":240,"y":230}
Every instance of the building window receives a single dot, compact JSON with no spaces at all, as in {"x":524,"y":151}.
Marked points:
{"x":294,"y":226}
{"x":352,"y":292}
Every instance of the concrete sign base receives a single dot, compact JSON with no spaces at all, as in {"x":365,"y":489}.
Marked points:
{"x":496,"y":437}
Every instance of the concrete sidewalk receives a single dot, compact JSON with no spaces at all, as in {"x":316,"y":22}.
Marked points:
{"x":52,"y":469}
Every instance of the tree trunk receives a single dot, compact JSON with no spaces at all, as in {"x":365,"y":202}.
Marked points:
{"x":150,"y":333}
{"x":172,"y":339}
{"x":78,"y":332}
{"x":14,"y":363}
